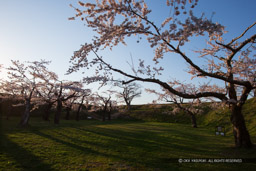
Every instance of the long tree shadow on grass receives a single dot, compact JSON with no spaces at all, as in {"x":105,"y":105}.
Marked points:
{"x":37,"y":124}
{"x":127,"y":160}
{"x":151,"y":140}
{"x":69,"y":144}
{"x":113,"y":150}
{"x":145,"y":148}
{"x":23,"y":158}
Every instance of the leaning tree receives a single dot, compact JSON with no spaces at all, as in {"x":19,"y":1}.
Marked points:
{"x":230,"y":62}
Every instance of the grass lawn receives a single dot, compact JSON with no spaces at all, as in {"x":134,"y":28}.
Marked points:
{"x":115,"y":145}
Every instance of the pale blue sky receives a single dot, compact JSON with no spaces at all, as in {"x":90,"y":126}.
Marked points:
{"x":40,"y":29}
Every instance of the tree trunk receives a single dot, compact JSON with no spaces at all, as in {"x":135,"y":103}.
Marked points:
{"x":193,"y":120}
{"x":109,"y":114}
{"x":79,"y":109}
{"x":26,"y":115}
{"x":68,"y":109}
{"x":128,"y":105}
{"x":110,"y":110}
{"x":58,"y":112}
{"x":46,"y":115}
{"x":241,"y":134}
{"x":104,"y":111}
{"x":78,"y":112}
{"x":192,"y":115}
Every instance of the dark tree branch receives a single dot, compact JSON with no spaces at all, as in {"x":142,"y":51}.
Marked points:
{"x":163,"y":84}
{"x":233,"y":40}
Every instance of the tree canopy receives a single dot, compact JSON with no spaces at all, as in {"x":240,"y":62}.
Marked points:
{"x":230,"y":61}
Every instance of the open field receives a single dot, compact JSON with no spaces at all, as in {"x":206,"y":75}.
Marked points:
{"x":115,"y":145}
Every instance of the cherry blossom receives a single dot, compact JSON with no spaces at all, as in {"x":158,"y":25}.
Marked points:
{"x":232,"y":62}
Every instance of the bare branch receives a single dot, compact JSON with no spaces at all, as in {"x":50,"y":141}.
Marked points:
{"x":235,"y":39}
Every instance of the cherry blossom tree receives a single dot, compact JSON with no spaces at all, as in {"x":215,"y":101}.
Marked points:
{"x":68,"y":106}
{"x":104,"y":102}
{"x":78,"y":98}
{"x":112,"y":106}
{"x":66,"y":90}
{"x":83,"y":94}
{"x":231,"y":62}
{"x":47,"y":94}
{"x":23,"y":82}
{"x":190,"y":107}
{"x":128,"y":93}
{"x":46,"y":90}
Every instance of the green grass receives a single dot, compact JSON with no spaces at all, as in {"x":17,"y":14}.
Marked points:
{"x":209,"y":118}
{"x":115,"y":145}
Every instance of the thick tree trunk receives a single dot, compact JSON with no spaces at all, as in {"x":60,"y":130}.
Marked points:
{"x":26,"y":115}
{"x":104,"y":112}
{"x":241,"y":134}
{"x":78,"y":112}
{"x":128,"y":105}
{"x":46,"y":115}
{"x":58,"y":112}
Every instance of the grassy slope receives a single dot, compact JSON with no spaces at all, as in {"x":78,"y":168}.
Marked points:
{"x":222,"y":117}
{"x":209,"y":118}
{"x":115,"y":145}
{"x":157,"y":113}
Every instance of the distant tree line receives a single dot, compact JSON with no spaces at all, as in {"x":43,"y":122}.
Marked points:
{"x":31,"y":85}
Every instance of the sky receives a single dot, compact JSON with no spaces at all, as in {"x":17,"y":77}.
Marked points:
{"x":39,"y":29}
